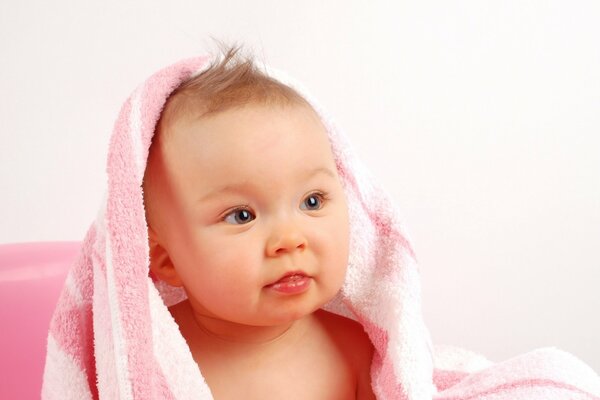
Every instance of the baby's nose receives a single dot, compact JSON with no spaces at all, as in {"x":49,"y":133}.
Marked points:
{"x":285,"y":240}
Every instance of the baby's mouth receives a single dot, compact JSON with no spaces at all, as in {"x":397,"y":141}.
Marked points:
{"x":291,"y":283}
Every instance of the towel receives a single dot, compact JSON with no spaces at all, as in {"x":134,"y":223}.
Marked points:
{"x":113,"y":337}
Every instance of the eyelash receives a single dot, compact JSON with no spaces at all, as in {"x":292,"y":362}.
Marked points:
{"x":235,"y":210}
{"x":323,"y":196}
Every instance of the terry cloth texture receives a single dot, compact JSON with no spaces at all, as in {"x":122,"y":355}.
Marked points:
{"x":112,"y":336}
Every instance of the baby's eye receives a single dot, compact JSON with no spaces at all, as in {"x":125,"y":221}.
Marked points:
{"x":239,"y":216}
{"x":315,"y":201}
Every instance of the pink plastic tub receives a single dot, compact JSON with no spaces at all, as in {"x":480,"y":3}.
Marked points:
{"x":31,"y":277}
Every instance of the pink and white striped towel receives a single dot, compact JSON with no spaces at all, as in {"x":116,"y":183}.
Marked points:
{"x":112,"y":336}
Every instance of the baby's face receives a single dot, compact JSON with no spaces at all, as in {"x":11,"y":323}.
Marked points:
{"x":252,"y":194}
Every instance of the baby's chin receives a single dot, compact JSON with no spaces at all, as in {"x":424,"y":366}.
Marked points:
{"x":289,"y":315}
{"x":273,"y":309}
{"x":276,"y":316}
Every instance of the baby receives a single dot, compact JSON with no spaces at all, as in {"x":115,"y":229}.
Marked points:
{"x":246,"y":212}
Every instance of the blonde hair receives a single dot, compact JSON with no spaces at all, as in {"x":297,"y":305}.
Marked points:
{"x":233,"y":81}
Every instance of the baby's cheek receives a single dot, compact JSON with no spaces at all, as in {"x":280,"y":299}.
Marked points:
{"x":231,"y":274}
{"x":340,"y":262}
{"x":333,"y":274}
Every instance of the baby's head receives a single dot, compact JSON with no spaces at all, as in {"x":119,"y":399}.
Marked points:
{"x":241,"y":189}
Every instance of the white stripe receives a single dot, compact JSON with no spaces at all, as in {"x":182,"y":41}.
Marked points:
{"x":120,"y":356}
{"x":135,"y":132}
{"x":121,"y":359}
{"x":173,"y":354}
{"x":104,"y":353}
{"x":103,"y":339}
{"x":63,"y":379}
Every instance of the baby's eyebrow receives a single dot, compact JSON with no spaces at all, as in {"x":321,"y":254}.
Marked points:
{"x":246,"y":185}
{"x":230,"y":188}
{"x":319,"y":170}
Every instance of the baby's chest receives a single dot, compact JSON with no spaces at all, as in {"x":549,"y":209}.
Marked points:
{"x":306,"y":375}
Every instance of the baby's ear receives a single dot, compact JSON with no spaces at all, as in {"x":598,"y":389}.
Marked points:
{"x":160,"y":263}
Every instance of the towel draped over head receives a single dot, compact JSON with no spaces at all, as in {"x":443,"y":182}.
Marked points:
{"x":112,"y":336}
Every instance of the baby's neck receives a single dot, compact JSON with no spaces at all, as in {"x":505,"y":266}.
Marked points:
{"x":226,"y":333}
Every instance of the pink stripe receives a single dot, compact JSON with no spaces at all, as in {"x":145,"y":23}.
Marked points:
{"x":387,"y":377}
{"x":80,"y":270}
{"x":123,"y":225}
{"x":385,"y":227}
{"x":72,"y":329}
{"x":521,"y":385}
{"x":382,"y":371}
{"x":443,"y":379}
{"x":127,"y":228}
{"x":72,"y":324}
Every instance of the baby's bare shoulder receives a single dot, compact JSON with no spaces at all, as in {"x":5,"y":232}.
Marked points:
{"x":349,"y":335}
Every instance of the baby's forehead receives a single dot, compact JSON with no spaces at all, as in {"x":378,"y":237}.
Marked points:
{"x":189,"y":125}
{"x":257,"y":137}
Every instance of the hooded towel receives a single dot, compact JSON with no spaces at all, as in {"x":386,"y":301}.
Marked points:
{"x":113,"y":337}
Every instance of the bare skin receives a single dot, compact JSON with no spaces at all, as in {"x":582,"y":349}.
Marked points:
{"x":320,"y":356}
{"x":235,"y":201}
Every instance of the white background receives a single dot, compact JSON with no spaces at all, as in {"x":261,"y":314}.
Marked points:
{"x":481,"y":119}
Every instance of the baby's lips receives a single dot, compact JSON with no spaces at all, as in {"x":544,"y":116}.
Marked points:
{"x":290,"y":276}
{"x":291,"y":284}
